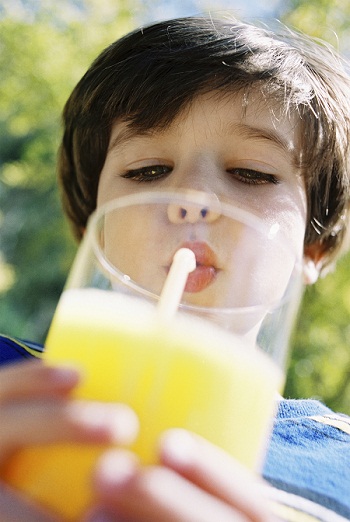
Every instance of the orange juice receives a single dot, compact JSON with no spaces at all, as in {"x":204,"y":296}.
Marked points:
{"x":187,"y":373}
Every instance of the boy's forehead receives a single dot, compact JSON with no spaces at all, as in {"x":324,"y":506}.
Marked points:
{"x":251,"y":116}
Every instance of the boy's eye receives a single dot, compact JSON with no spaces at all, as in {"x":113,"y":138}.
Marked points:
{"x":149,"y":173}
{"x":253,"y":177}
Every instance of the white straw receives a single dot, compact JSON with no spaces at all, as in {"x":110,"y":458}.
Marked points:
{"x":184,"y":262}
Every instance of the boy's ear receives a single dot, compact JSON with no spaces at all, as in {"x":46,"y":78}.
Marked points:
{"x":313,"y":262}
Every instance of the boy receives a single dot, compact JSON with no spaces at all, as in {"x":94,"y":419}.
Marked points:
{"x":255,"y":118}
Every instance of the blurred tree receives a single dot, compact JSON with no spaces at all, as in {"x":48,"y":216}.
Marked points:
{"x":325,"y":19}
{"x":320,"y":360}
{"x":45,"y":47}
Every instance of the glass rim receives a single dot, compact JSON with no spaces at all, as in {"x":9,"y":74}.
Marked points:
{"x":227,"y":209}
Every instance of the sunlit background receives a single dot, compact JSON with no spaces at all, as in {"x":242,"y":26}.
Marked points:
{"x":45,"y":46}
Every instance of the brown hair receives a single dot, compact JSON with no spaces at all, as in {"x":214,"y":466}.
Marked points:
{"x":151,"y":74}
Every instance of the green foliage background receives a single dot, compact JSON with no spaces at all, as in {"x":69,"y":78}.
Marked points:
{"x":44,"y":50}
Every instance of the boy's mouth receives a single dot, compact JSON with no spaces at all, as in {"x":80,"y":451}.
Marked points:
{"x":206,"y":266}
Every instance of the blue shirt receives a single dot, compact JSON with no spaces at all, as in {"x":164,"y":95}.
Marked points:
{"x":12,"y":350}
{"x":308,"y":460}
{"x":309,"y":457}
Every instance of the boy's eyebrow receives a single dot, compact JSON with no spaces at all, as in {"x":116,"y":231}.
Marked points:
{"x":262,"y":133}
{"x":249,"y":131}
{"x":125,"y":134}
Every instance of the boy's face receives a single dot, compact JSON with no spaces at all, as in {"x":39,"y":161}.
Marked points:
{"x":247,"y":157}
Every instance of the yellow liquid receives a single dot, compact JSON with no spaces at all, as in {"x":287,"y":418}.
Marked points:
{"x":186,"y":374}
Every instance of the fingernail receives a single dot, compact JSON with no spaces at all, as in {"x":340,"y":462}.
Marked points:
{"x":124,"y":424}
{"x":64,"y":375}
{"x":117,"y":420}
{"x":115,"y":468}
{"x":178,"y":447}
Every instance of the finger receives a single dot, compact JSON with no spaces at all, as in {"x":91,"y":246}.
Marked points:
{"x":216,"y":472}
{"x":34,"y":379}
{"x":50,"y":421}
{"x":16,"y":509}
{"x":155,"y":494}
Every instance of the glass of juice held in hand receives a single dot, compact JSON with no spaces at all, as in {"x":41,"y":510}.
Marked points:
{"x":180,"y":306}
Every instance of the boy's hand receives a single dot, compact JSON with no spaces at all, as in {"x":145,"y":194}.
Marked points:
{"x":196,"y":482}
{"x":36,"y":408}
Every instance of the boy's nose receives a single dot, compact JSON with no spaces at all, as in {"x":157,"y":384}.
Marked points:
{"x":188,"y":213}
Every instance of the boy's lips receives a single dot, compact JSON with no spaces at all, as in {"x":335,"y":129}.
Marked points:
{"x":206,"y":269}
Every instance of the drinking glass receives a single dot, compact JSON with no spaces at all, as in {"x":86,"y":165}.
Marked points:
{"x":181,"y":306}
